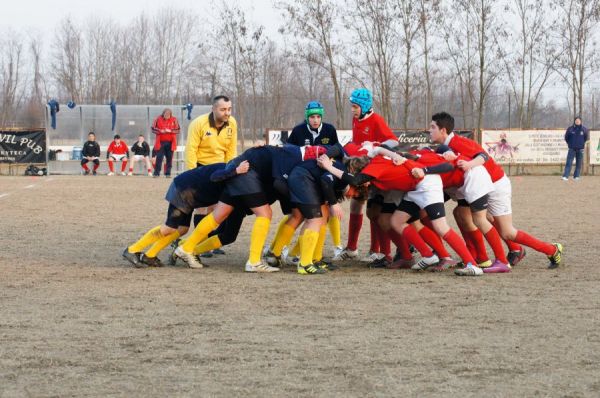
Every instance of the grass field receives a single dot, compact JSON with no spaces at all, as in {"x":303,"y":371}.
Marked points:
{"x":77,"y":320}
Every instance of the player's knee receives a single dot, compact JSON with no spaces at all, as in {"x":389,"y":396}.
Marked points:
{"x":183,"y":230}
{"x":227,"y":237}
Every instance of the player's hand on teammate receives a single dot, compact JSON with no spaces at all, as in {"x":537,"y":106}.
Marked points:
{"x":398,"y":159}
{"x":449,"y":156}
{"x":324,"y":162}
{"x":464,"y":165}
{"x":243,"y":167}
{"x":418,"y":172}
{"x":336,"y":211}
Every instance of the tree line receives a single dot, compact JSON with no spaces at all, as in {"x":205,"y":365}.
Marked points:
{"x":492,"y":63}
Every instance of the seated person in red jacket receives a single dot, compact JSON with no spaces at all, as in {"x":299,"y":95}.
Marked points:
{"x":166,"y":127}
{"x":117,"y":151}
{"x":141,"y":153}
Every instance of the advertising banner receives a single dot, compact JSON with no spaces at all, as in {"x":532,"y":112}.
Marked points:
{"x":525,"y":146}
{"x":407,"y":139}
{"x":23,"y":146}
{"x":594,"y":147}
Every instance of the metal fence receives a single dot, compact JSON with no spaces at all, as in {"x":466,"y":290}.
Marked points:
{"x":73,"y":125}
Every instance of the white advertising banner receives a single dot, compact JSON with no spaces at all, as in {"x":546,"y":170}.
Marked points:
{"x":526,"y":146}
{"x":274,"y":136}
{"x":594,"y":147}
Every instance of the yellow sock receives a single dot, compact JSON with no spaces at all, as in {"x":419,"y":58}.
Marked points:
{"x":204,"y":227}
{"x":318,"y":254}
{"x":149,"y":238}
{"x":284,"y":237}
{"x":297,"y":247}
{"x":278,"y":232}
{"x":309,"y":242}
{"x":207,"y":245}
{"x":260,"y":230}
{"x":161,"y":244}
{"x":335,"y":229}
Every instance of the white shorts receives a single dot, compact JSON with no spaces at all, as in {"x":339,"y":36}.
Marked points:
{"x":137,"y":158}
{"x":477,"y":183}
{"x":117,"y":157}
{"x":429,"y":191}
{"x":499,"y":202}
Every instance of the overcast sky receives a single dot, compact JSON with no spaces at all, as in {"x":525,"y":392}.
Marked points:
{"x":43,"y":15}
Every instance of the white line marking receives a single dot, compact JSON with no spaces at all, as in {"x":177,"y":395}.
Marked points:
{"x":3,"y":195}
{"x":29,"y":186}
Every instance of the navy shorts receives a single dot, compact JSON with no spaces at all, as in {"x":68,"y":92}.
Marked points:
{"x":174,"y":197}
{"x":305,"y":193}
{"x":177,"y":218}
{"x":244,"y":184}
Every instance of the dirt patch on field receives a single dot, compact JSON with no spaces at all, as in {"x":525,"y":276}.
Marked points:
{"x":77,"y":320}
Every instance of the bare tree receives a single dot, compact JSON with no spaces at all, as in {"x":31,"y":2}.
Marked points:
{"x":428,"y":9}
{"x":231,"y":33}
{"x":375,"y":28}
{"x":314,"y":23}
{"x":67,"y":66}
{"x":476,"y":61}
{"x":411,"y":18}
{"x":576,"y":25}
{"x":12,"y":79}
{"x":529,"y":65}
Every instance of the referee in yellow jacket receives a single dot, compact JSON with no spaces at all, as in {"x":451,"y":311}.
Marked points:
{"x":211,"y":138}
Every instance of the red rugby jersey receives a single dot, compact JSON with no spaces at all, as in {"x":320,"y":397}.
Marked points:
{"x":372,"y":128}
{"x":120,"y":149}
{"x":389,"y":176}
{"x":469,"y":148}
{"x":454,"y":178}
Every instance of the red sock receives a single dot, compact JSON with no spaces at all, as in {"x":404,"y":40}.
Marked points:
{"x":123,"y":165}
{"x":401,"y":243}
{"x":513,"y":246}
{"x":536,"y":244}
{"x":111,"y":166}
{"x":149,"y":170}
{"x":385,"y":242}
{"x":96,"y":166}
{"x":130,"y":169}
{"x":468,"y":241}
{"x":493,"y":238}
{"x":433,"y":240}
{"x":374,"y":237}
{"x":354,"y":230}
{"x":480,"y":251}
{"x":85,"y":167}
{"x":459,"y":246}
{"x":411,"y":235}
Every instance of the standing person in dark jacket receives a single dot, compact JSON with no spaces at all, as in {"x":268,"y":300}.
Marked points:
{"x":90,"y":153}
{"x":166,"y":127}
{"x":313,"y":131}
{"x":576,"y":136}
{"x":141,"y":152}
